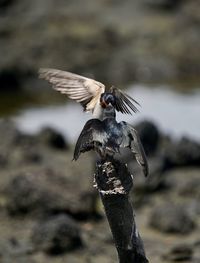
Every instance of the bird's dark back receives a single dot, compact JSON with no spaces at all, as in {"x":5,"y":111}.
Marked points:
{"x":113,"y":130}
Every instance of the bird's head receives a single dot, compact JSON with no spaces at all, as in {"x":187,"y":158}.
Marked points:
{"x":107,"y":99}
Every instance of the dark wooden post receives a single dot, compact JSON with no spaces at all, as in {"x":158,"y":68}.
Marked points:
{"x":114,"y":182}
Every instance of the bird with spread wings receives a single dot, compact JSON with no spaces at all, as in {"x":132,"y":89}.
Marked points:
{"x":102,"y":133}
{"x":106,"y":137}
{"x":90,"y":93}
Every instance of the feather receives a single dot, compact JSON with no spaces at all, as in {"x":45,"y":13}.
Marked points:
{"x":131,"y":139}
{"x":107,"y":136}
{"x":77,"y":87}
{"x":86,"y":91}
{"x":93,"y":132}
{"x":124,"y":103}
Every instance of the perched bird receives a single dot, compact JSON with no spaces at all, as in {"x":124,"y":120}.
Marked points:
{"x":107,"y":136}
{"x":90,"y":93}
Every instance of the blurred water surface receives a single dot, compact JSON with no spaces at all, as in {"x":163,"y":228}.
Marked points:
{"x":175,"y":113}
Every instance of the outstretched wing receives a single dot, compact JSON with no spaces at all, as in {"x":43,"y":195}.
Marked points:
{"x":93,"y":132}
{"x":131,"y":139}
{"x":124,"y":103}
{"x":84,"y":90}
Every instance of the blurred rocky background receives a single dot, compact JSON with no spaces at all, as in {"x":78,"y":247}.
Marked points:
{"x":49,"y":211}
{"x":143,"y":40}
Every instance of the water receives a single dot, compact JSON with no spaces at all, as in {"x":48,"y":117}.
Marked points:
{"x":176,"y":114}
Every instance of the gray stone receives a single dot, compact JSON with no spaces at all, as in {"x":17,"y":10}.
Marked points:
{"x":42,"y":194}
{"x":179,"y":253}
{"x":171,"y":218}
{"x":56,"y":235}
{"x":53,"y":139}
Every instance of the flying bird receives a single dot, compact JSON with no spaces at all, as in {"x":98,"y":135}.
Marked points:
{"x":107,"y":136}
{"x":91,"y":94}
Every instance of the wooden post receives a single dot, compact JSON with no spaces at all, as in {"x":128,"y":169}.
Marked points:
{"x":114,"y":182}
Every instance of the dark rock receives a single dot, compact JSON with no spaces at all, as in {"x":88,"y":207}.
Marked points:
{"x":186,"y":152}
{"x":183,"y":184}
{"x":24,"y":140}
{"x":53,"y":139}
{"x":10,"y":80}
{"x":6,"y":3}
{"x":149,"y":135}
{"x":27,"y":194}
{"x":90,"y":207}
{"x":164,"y":4}
{"x":180,"y":252}
{"x":170,"y":218}
{"x":57,"y":235}
{"x":41,"y":194}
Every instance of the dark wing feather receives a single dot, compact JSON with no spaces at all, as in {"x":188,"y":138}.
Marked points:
{"x":138,"y":150}
{"x":92,"y":132}
{"x":124,"y":103}
{"x":131,"y":139}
